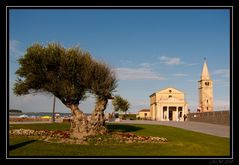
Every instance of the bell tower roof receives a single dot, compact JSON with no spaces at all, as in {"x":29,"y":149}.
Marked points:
{"x":205,"y":74}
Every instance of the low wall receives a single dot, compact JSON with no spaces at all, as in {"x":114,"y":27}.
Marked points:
{"x":216,"y":117}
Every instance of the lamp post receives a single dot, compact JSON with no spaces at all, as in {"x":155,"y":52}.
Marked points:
{"x":53,"y":113}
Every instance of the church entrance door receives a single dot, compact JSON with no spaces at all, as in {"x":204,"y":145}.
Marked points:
{"x":170,"y":115}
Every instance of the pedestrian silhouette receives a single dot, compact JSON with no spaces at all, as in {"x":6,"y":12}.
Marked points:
{"x":184,"y":117}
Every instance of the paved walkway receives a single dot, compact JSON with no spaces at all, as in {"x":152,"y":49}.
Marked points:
{"x":212,"y":129}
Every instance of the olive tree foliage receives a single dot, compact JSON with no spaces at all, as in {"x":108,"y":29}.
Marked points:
{"x":68,"y":74}
{"x":53,"y":69}
{"x":103,"y":85}
{"x":105,"y":81}
{"x":120,"y":104}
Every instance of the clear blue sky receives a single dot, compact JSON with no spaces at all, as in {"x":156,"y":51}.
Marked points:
{"x":148,"y":49}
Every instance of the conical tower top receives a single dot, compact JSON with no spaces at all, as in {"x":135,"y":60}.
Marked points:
{"x":205,"y":74}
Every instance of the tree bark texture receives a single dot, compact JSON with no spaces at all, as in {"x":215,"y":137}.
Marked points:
{"x":97,"y":122}
{"x":79,"y":123}
{"x":81,"y":126}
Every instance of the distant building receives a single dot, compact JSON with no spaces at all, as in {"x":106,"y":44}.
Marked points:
{"x":205,"y":88}
{"x":144,"y":114}
{"x":168,"y":105}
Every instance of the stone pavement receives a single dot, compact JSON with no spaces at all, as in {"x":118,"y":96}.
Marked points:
{"x":207,"y":128}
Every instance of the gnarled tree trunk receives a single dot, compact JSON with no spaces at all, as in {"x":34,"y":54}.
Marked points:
{"x":97,"y":122}
{"x":79,"y":123}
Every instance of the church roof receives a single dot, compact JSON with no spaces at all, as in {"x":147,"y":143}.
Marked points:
{"x":168,"y":90}
{"x":205,"y":73}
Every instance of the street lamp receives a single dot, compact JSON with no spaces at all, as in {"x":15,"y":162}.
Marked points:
{"x":53,"y":113}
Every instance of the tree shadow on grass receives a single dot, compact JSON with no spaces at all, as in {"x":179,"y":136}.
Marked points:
{"x":122,"y":128}
{"x":15,"y":146}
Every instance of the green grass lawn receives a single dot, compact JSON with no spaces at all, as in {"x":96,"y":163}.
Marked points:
{"x":180,"y":143}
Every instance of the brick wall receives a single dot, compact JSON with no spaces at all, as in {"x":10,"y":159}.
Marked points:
{"x":216,"y":117}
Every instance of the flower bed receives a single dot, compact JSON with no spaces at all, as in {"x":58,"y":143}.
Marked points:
{"x":110,"y":138}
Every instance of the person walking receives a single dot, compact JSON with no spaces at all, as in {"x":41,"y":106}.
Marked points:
{"x":184,"y":117}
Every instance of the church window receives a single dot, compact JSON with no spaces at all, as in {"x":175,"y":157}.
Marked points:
{"x":207,"y":101}
{"x":207,"y":83}
{"x":207,"y":108}
{"x":170,"y":96}
{"x":170,"y":91}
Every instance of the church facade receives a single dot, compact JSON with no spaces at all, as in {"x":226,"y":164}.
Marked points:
{"x":205,"y":88}
{"x":168,"y":105}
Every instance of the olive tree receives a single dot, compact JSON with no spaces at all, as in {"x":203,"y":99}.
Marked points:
{"x":68,"y":74}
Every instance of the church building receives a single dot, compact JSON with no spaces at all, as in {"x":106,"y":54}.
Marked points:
{"x":205,"y":87}
{"x":168,"y":105}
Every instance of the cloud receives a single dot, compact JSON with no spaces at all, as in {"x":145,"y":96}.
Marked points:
{"x":44,"y":103}
{"x":14,"y":49}
{"x":146,"y":65}
{"x":180,"y":75}
{"x":137,"y":73}
{"x":30,"y":103}
{"x":221,"y":72}
{"x":14,"y":45}
{"x":170,"y":60}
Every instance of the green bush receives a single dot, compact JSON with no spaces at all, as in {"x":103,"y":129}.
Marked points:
{"x":128,"y":116}
{"x":116,"y":115}
{"x":15,"y":111}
